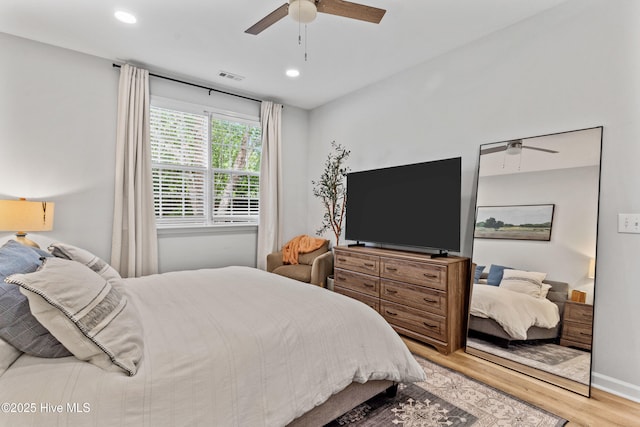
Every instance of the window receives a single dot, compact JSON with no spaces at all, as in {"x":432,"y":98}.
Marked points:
{"x":206,"y":168}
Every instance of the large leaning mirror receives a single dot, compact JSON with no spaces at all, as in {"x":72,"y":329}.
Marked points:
{"x":531,"y":305}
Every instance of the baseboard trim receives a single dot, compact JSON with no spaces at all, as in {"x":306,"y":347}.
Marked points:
{"x":615,"y":386}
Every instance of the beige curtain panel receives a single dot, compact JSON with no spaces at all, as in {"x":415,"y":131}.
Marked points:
{"x":134,"y":243}
{"x":270,"y":225}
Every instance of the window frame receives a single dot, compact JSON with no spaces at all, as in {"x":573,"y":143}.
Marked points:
{"x":166,"y":226}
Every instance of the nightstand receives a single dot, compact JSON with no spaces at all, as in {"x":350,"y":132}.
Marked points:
{"x":577,"y":325}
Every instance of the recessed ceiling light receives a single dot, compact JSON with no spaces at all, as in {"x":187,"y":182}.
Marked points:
{"x":292,"y":72}
{"x":125,"y":17}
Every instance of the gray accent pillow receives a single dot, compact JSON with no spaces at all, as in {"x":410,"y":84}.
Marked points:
{"x":63,"y":250}
{"x":8,"y":355}
{"x":86,"y":312}
{"x":18,"y":327}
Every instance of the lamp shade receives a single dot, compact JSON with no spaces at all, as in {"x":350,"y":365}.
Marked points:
{"x":592,"y":269}
{"x":22,"y":215}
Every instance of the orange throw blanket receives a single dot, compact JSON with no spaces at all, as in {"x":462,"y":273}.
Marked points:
{"x":300,"y":245}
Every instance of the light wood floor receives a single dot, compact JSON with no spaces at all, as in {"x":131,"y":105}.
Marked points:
{"x":602,"y":409}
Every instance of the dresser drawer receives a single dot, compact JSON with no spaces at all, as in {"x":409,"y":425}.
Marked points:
{"x":417,"y":273}
{"x":369,"y":300}
{"x":362,"y":283}
{"x":417,"y":321}
{"x":414,"y":296}
{"x":578,"y":312}
{"x":576,"y":334}
{"x":357,"y":262}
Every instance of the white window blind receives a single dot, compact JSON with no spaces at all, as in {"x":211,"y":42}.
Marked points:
{"x":206,"y":168}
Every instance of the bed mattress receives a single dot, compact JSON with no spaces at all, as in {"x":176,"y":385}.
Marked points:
{"x":233,"y":346}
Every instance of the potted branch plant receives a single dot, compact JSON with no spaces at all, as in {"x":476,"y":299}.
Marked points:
{"x":332,"y":191}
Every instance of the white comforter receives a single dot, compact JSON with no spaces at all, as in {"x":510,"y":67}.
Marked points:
{"x":224,"y":347}
{"x":515,"y":312}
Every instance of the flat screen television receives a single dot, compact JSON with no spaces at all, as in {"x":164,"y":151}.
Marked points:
{"x":416,"y":205}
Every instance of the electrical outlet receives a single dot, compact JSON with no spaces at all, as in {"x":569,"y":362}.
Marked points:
{"x":629,"y":223}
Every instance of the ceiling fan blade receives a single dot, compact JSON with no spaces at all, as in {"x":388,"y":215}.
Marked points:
{"x":269,"y":20}
{"x":546,"y":150}
{"x":351,"y":10}
{"x":493,"y":150}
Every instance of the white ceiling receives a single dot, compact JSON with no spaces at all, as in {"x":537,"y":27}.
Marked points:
{"x":196,"y":39}
{"x":574,"y":149}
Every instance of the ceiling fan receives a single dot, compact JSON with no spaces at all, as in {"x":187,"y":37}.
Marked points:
{"x":304,"y":11}
{"x":514,"y":147}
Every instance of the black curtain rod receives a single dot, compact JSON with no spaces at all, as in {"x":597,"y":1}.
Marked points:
{"x":210,"y":89}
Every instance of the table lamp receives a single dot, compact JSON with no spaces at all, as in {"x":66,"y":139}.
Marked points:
{"x":592,"y":269}
{"x":22,"y":216}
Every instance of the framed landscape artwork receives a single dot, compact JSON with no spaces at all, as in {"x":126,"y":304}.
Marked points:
{"x":524,"y":222}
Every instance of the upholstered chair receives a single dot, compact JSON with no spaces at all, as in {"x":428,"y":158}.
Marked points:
{"x":312,"y":267}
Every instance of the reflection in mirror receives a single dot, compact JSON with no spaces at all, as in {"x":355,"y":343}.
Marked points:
{"x":535,"y":248}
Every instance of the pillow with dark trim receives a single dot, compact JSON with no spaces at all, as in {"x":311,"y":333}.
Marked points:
{"x":63,"y":250}
{"x":85,"y":312}
{"x":18,"y":327}
{"x":525,"y":282}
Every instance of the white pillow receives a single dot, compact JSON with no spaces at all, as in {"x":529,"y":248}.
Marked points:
{"x":8,"y":355}
{"x":63,"y":250}
{"x":85,"y":312}
{"x":525,"y":282}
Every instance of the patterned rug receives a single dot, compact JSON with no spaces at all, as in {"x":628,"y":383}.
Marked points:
{"x":553,"y":358}
{"x":447,"y":398}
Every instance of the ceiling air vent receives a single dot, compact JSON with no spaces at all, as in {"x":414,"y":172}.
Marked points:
{"x":231,"y":76}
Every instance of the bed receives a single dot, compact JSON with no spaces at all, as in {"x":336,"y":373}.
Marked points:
{"x":233,"y":346}
{"x":507,"y":316}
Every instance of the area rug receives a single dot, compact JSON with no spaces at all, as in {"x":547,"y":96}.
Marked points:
{"x":447,"y":398}
{"x":563,"y":361}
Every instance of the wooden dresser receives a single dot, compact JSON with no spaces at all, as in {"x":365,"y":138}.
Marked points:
{"x":421,"y":297}
{"x":577,"y":325}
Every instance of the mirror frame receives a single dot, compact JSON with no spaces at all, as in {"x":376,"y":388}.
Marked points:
{"x":563,"y":382}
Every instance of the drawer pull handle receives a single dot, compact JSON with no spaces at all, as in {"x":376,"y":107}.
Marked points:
{"x":391,"y":291}
{"x":342,"y":259}
{"x":585,"y":334}
{"x":392,"y":269}
{"x":368,"y":285}
{"x":429,"y":326}
{"x":391,"y":313}
{"x":430,"y":301}
{"x":430,"y":276}
{"x":368,"y":264}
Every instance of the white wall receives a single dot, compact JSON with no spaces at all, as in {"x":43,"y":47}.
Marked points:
{"x":572,"y":67}
{"x":565,"y":258}
{"x":57,"y":138}
{"x":57,"y":143}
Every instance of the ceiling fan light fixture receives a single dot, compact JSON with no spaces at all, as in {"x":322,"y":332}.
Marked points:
{"x":514,"y":147}
{"x":292,"y":72}
{"x":303,"y":11}
{"x":126,"y":17}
